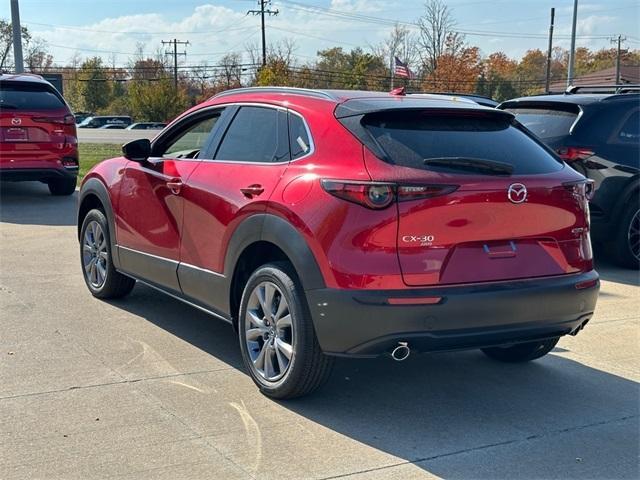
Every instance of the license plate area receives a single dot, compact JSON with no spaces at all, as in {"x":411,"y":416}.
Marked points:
{"x":15,"y":134}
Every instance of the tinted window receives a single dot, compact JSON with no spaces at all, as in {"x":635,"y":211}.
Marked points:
{"x":409,"y":138}
{"x":545,"y":123}
{"x":257,"y":134}
{"x":190,"y":140}
{"x":299,"y":142}
{"x":24,"y":96}
{"x":630,"y":131}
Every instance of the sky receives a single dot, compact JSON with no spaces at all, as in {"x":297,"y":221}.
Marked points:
{"x":113,"y":29}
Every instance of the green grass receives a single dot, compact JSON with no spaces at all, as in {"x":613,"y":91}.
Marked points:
{"x":92,"y":153}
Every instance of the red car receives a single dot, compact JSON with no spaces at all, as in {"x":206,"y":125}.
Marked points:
{"x":37,"y":134}
{"x":341,"y":223}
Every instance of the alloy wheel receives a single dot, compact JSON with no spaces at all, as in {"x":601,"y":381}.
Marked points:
{"x":268,"y":331}
{"x":633,"y":235}
{"x":95,"y":254}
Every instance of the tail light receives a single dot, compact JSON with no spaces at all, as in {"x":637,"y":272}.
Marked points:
{"x":572,"y":154}
{"x":66,"y":120}
{"x":379,"y":195}
{"x":582,"y":188}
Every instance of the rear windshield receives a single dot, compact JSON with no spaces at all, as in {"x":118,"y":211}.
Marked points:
{"x":27,"y":96}
{"x":410,"y":138}
{"x":545,"y":123}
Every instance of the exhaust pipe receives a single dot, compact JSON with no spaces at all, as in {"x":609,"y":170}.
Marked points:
{"x":401,"y":352}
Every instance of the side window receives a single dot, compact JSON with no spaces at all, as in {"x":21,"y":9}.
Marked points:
{"x":630,"y":130}
{"x":189,"y":142}
{"x":256,"y":134}
{"x":299,"y":141}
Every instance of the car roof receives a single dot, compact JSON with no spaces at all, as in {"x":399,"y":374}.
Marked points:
{"x":23,"y":77}
{"x":576,"y":99}
{"x":351,"y":102}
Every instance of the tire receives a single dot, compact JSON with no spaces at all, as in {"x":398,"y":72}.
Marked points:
{"x":521,"y":352}
{"x":62,"y":186}
{"x":307,"y":368}
{"x":625,"y":249}
{"x":102,"y":279}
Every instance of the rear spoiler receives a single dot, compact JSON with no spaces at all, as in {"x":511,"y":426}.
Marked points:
{"x":363,"y":106}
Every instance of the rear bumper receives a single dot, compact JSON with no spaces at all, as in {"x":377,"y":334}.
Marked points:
{"x":36,"y":174}
{"x":364,"y":323}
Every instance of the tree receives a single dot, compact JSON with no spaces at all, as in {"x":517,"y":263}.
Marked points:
{"x":436,"y":32}
{"x":495,"y":81}
{"x":458,"y":69}
{"x":37,"y":58}
{"x":95,"y":87}
{"x":6,"y":44}
{"x":351,"y":70}
{"x":531,"y":72}
{"x":152,"y":96}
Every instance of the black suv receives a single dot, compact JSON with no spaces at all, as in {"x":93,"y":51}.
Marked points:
{"x":598,"y":134}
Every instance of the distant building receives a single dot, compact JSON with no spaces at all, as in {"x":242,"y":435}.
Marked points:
{"x":628,"y":74}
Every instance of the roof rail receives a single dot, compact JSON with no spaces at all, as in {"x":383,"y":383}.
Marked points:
{"x":290,"y":90}
{"x":621,"y":88}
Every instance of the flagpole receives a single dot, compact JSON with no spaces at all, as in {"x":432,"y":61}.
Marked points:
{"x":392,"y":70}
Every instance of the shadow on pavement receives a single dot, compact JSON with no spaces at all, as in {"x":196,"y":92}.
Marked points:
{"x":30,"y":203}
{"x":432,"y":408}
{"x":612,"y":273}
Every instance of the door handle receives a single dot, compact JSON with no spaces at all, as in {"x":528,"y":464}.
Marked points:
{"x":175,"y":185}
{"x":252,"y":190}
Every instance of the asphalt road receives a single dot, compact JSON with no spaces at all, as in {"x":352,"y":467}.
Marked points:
{"x":98,"y":135}
{"x":148,"y":388}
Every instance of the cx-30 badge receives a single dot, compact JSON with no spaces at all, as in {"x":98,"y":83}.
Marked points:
{"x":16,"y":121}
{"x":517,"y":193}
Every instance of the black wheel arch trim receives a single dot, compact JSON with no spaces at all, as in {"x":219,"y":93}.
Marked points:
{"x":627,"y":196}
{"x":278,"y":231}
{"x":94,"y":186}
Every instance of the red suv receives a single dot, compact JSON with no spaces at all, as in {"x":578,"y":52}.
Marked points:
{"x":37,"y":134}
{"x":342,"y":223}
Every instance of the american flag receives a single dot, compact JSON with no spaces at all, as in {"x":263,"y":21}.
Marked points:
{"x":401,"y":69}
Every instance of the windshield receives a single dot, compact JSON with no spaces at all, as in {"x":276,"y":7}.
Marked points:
{"x":25,"y":96}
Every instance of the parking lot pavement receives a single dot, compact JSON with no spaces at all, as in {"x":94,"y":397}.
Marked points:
{"x":98,"y":135}
{"x":147,"y":387}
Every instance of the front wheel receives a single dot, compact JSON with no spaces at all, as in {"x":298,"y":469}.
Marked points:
{"x":101,"y":277}
{"x":521,"y":352}
{"x":277,"y":339}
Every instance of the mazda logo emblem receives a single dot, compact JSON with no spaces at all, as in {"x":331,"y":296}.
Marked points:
{"x":16,"y":121}
{"x":517,"y":193}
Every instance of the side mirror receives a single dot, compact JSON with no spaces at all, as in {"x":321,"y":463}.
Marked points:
{"x":137,"y":150}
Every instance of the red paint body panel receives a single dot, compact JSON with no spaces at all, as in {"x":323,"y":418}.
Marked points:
{"x":474,"y":227}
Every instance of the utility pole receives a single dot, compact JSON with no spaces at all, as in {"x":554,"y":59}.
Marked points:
{"x":572,"y":51}
{"x":262,"y":12}
{"x":17,"y":36}
{"x":548,"y":76}
{"x":175,"y":54}
{"x":619,"y":40}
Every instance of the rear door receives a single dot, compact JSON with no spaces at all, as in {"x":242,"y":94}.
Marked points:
{"x":35,"y":125}
{"x":505,"y":212}
{"x":247,"y":162}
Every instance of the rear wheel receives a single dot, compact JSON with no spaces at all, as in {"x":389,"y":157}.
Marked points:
{"x":626,"y":247}
{"x":278,"y":343}
{"x":521,"y":352}
{"x":101,"y":277}
{"x":62,"y":186}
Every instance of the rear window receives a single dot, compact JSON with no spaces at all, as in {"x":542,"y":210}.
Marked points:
{"x":545,"y":123}
{"x":27,"y":96}
{"x":410,"y":138}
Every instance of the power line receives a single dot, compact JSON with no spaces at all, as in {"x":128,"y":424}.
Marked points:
{"x":175,"y":53}
{"x":262,"y":12}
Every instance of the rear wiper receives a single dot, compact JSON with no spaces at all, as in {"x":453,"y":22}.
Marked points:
{"x":477,"y":165}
